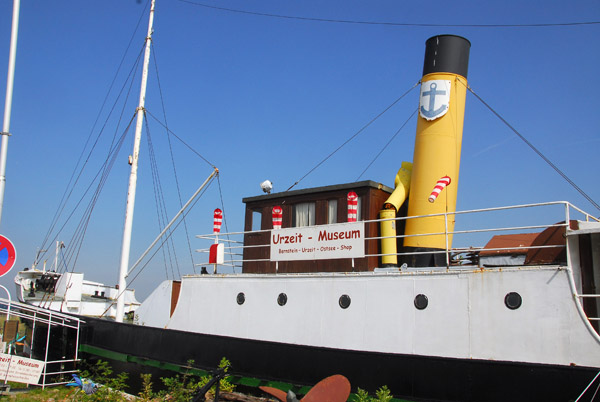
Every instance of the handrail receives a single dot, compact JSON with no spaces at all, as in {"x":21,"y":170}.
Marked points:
{"x":40,"y":316}
{"x":232,"y":246}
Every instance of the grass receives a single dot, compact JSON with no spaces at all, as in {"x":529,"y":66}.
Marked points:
{"x":59,"y":393}
{"x":179,"y":388}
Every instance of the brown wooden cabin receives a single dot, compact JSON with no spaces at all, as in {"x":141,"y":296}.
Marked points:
{"x":330,"y":205}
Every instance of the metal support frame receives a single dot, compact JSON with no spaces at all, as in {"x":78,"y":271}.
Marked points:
{"x":54,"y":319}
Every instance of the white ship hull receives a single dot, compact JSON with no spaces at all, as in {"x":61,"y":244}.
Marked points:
{"x":466,"y":316}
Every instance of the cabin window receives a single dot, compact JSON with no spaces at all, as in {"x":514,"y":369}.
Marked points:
{"x":358,"y":212}
{"x":304,"y":214}
{"x":256,"y":220}
{"x":332,"y":211}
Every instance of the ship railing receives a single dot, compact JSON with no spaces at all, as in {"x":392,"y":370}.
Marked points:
{"x":590,"y":296}
{"x":235,"y":248}
{"x":568,"y":211}
{"x":41,"y":325}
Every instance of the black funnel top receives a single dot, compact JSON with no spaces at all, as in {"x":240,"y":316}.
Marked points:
{"x":447,"y":54}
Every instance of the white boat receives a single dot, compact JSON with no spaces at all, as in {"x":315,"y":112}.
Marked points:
{"x":69,"y":292}
{"x":463,"y":332}
{"x":392,"y":301}
{"x":387,"y":301}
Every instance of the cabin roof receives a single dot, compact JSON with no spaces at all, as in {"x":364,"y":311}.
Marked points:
{"x":316,"y":190}
{"x":508,"y":241}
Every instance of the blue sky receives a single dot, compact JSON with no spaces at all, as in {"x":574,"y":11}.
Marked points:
{"x":263,"y":97}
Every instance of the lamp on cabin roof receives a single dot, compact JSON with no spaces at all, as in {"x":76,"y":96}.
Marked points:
{"x":266,"y":186}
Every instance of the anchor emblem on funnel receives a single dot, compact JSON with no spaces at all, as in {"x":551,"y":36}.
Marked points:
{"x":434,"y":102}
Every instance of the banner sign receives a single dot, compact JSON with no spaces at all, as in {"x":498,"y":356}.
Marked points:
{"x":20,"y":369}
{"x":342,"y":240}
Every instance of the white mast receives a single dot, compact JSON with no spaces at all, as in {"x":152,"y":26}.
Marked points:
{"x":133,"y":177}
{"x":59,"y":245}
{"x":8,"y":105}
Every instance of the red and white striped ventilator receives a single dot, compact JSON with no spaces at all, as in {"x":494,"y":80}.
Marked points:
{"x":277,"y":217}
{"x":439,"y":186}
{"x":218,"y":220}
{"x":352,"y":206}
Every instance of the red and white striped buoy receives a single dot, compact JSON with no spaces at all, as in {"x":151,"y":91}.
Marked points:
{"x":277,"y":217}
{"x":218,"y":220}
{"x":439,"y":186}
{"x":352,"y":206}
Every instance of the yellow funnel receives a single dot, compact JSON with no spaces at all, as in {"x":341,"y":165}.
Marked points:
{"x":437,"y":145}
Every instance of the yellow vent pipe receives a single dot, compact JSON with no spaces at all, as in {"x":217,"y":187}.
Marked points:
{"x":390,"y":208}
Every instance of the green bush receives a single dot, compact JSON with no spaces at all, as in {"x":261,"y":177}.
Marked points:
{"x":381,"y":395}
{"x":110,"y":388}
{"x":362,"y":396}
{"x":224,"y":383}
{"x":182,"y":388}
{"x":146,"y":394}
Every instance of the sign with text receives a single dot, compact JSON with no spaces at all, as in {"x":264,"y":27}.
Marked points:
{"x":20,"y":369}
{"x":342,"y":240}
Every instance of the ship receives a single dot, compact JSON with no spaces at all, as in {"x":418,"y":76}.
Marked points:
{"x":368,"y":281}
{"x":385,"y":286}
{"x":70,"y":292}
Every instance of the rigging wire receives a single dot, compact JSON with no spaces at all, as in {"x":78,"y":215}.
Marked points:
{"x":161,"y":207}
{"x":76,"y":241}
{"x":181,"y":140}
{"x":77,"y":238}
{"x":169,"y":253}
{"x":387,"y":144}
{"x":162,"y":102}
{"x":103,"y":169}
{"x":71,"y":184}
{"x":589,"y":385}
{"x":159,"y":245}
{"x":537,"y":151}
{"x":354,"y":135}
{"x":399,"y":24}
{"x":167,"y":236}
{"x":82,"y":228}
{"x":103,"y":172}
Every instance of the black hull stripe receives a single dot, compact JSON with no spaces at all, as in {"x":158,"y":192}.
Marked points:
{"x":407,"y":376}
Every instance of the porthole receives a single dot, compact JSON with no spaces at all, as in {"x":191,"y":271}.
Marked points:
{"x":344,"y":301}
{"x":282,"y":299}
{"x":513,"y":300}
{"x":421,"y":302}
{"x":241,"y":298}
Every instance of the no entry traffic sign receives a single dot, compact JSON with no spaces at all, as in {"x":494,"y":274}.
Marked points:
{"x":8,"y":255}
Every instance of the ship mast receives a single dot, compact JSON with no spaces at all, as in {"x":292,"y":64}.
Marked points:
{"x":126,"y":245}
{"x":9,"y":92}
